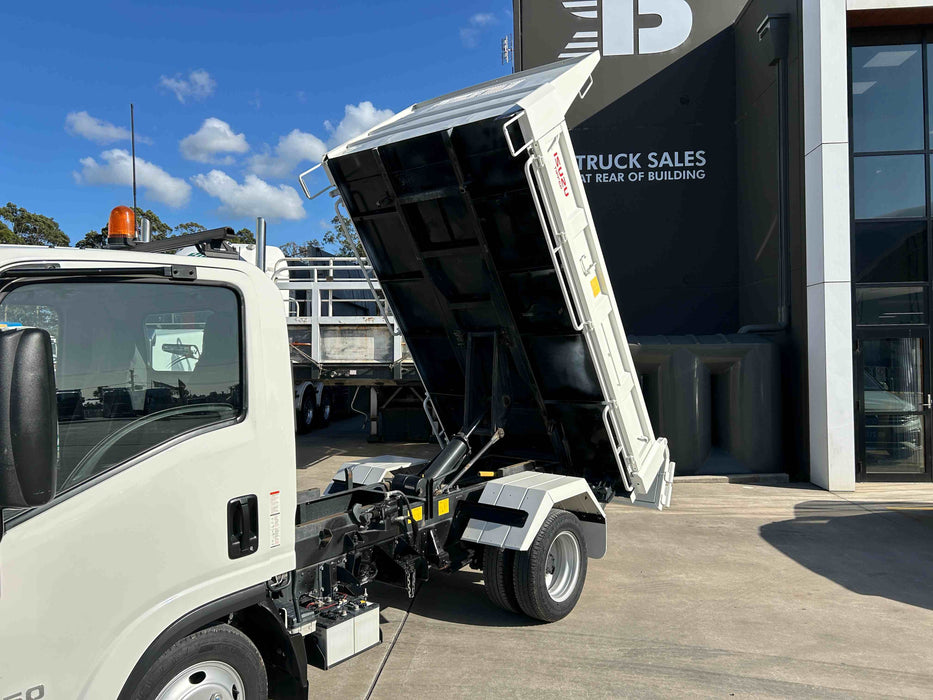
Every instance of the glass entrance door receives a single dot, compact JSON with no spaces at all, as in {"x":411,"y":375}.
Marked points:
{"x":894,"y":405}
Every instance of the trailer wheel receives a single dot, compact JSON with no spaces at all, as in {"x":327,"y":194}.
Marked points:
{"x":219,"y":662}
{"x":325,"y":409}
{"x":549,"y":577}
{"x":307,"y":412}
{"x":498,"y":578}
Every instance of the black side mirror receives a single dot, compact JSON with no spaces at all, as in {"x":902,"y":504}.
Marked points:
{"x":28,"y":418}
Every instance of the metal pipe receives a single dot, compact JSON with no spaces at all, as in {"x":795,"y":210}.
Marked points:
{"x":448,"y":459}
{"x":774,"y":28}
{"x":261,"y":243}
{"x":133,"y":142}
{"x":496,"y":436}
{"x":145,"y":230}
{"x":455,"y":452}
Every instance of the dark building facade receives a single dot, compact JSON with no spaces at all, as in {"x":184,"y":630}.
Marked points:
{"x":759,"y":172}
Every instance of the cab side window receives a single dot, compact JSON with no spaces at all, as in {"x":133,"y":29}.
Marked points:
{"x":136,"y":364}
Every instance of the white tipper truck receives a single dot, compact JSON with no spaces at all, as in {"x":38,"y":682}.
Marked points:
{"x":154,"y":544}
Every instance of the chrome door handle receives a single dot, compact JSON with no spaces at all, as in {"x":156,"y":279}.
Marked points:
{"x":929,"y":404}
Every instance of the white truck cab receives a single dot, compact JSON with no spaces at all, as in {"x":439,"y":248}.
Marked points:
{"x":137,"y":544}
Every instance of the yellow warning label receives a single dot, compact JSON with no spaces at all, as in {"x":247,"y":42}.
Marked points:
{"x":417,"y":513}
{"x":443,"y":506}
{"x":487,"y":475}
{"x":594,"y":283}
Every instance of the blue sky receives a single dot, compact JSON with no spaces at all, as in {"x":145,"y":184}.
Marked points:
{"x":233,"y":99}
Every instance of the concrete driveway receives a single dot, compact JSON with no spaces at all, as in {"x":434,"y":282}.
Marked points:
{"x":736,"y":591}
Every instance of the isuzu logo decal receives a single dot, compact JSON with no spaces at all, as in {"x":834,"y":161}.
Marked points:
{"x":615,"y":27}
{"x":561,"y":175}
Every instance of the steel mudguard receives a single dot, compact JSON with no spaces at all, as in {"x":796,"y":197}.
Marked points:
{"x":536,"y":494}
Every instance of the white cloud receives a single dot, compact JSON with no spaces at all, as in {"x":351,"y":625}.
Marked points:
{"x":255,"y":197}
{"x":299,"y":147}
{"x":292,"y":149}
{"x":356,"y":120}
{"x":483,"y":19}
{"x":198,"y":85}
{"x":97,"y":130}
{"x":214,"y":139}
{"x":470,"y":34}
{"x":116,"y":168}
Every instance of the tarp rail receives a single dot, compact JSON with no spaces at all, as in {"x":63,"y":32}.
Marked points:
{"x":549,"y":225}
{"x":554,"y":248}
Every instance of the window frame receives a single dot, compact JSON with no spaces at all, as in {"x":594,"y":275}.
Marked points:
{"x":893,"y":36}
{"x":121,"y":276}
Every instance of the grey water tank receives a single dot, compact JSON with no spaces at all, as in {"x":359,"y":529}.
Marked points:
{"x":716,"y":399}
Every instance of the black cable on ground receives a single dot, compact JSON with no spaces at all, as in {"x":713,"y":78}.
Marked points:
{"x":385,"y":659}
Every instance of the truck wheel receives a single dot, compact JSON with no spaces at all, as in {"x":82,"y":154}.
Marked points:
{"x":325,"y":409}
{"x":307,"y":412}
{"x":497,"y":577}
{"x":549,"y":576}
{"x":219,"y":662}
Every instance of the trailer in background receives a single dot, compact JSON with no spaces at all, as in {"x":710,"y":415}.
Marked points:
{"x":347,"y":354}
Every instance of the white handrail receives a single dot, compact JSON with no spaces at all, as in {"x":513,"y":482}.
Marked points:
{"x":555,"y":250}
{"x":304,"y":187}
{"x":315,"y":264}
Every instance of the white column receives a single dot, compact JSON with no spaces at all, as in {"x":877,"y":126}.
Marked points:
{"x":829,"y":284}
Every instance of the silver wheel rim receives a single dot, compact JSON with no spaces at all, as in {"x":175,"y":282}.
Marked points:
{"x":327,"y":411}
{"x":309,"y":415}
{"x":562,"y":566}
{"x":208,"y":680}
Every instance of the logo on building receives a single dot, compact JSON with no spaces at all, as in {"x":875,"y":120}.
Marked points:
{"x":615,"y":26}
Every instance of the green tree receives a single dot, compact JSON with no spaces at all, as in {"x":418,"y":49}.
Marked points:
{"x":343,"y":241}
{"x":334,"y":241}
{"x":7,"y":237}
{"x":308,"y":249}
{"x":244,"y":235}
{"x":189,"y":227}
{"x":27,"y":228}
{"x":93,"y":239}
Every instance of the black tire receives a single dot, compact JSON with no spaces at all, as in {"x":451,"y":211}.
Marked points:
{"x":498,"y":578}
{"x":531,"y":569}
{"x":221,"y":643}
{"x":325,"y":410}
{"x":307,"y":413}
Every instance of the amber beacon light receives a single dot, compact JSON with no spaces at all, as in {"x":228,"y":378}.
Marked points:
{"x":121,"y":228}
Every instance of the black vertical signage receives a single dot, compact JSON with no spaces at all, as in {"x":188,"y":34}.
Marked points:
{"x":655,"y":143}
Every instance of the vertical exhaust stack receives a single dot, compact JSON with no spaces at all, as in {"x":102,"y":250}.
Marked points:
{"x":261,"y":243}
{"x":145,"y":230}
